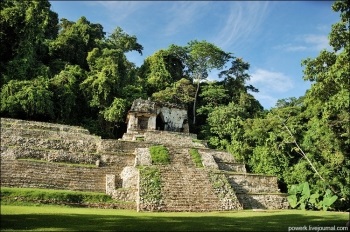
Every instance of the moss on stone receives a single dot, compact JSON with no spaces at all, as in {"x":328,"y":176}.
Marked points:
{"x":196,"y":157}
{"x":159,"y":154}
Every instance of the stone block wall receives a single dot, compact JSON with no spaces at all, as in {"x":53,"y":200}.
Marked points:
{"x":253,"y":183}
{"x":41,"y":155}
{"x":128,"y":192}
{"x":172,"y":139}
{"x":263,"y":201}
{"x":142,"y":157}
{"x":34,"y":125}
{"x":32,"y":174}
{"x":45,"y":155}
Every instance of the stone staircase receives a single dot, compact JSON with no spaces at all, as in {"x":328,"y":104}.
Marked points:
{"x":184,"y":187}
{"x":254,"y":191}
{"x":37,"y":154}
{"x":187,"y":189}
{"x":222,"y":184}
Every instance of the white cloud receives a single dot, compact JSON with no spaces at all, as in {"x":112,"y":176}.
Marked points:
{"x":121,"y":10}
{"x":165,"y":18}
{"x":267,"y":81}
{"x":271,"y":85}
{"x":317,"y":42}
{"x":313,"y":42}
{"x":182,"y":15}
{"x":291,"y":48}
{"x":243,"y":19}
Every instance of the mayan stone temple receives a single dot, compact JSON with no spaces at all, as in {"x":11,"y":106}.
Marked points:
{"x":45,"y":155}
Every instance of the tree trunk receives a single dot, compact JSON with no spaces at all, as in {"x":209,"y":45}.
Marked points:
{"x":194,"y":104}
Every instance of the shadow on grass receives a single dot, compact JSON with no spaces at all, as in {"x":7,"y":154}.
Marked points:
{"x":227,"y":222}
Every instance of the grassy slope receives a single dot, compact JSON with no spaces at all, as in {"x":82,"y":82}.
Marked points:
{"x":55,"y":218}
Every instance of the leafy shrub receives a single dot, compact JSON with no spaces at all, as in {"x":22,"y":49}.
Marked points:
{"x":300,"y":196}
{"x":159,"y":155}
{"x":196,"y":157}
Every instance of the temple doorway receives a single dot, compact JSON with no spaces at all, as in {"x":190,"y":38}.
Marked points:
{"x":160,"y":122}
{"x":143,"y":123}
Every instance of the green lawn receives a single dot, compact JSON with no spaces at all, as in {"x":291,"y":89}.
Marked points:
{"x":56,"y":218}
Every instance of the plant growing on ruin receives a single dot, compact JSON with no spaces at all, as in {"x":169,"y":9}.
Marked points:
{"x":150,"y":187}
{"x":159,"y":155}
{"x":196,"y":157}
{"x":300,"y":197}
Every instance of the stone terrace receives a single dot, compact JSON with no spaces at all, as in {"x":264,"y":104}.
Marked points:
{"x":46,"y":155}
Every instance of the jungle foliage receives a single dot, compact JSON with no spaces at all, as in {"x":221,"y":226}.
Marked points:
{"x":72,"y":73}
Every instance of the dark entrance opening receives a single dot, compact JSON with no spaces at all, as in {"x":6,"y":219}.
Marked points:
{"x":160,"y":122}
{"x":143,"y":123}
{"x":185,"y":127}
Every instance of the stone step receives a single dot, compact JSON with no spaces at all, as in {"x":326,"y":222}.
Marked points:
{"x":187,"y":189}
{"x":180,"y":157}
{"x":252,"y":183}
{"x":34,"y":125}
{"x":219,"y":156}
{"x":183,"y":140}
{"x":64,"y":156}
{"x":233,"y":167}
{"x":37,"y":133}
{"x":78,"y":145}
{"x":263,"y":201}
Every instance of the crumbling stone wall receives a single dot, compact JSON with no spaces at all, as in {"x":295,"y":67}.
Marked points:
{"x":42,"y":155}
{"x":142,"y":157}
{"x":32,"y":174}
{"x":253,"y":183}
{"x":129,"y":191}
{"x":263,"y":201}
{"x":143,"y":116}
{"x":173,"y":118}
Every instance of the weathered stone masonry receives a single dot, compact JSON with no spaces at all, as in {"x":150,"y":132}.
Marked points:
{"x":45,"y":155}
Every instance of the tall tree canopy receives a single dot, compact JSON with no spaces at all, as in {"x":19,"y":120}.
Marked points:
{"x":80,"y":37}
{"x":25,"y":27}
{"x":201,"y":58}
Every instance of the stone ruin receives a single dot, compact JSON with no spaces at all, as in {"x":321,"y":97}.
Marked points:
{"x":54,"y":156}
{"x":146,"y":115}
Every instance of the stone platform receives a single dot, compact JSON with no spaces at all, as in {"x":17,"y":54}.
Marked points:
{"x":54,"y":156}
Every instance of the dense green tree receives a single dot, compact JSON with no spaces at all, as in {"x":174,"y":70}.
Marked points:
{"x":121,"y":40}
{"x":225,"y":122}
{"x":213,"y":95}
{"x":69,"y":104}
{"x":328,"y":105}
{"x":25,"y":27}
{"x":182,"y":92}
{"x":73,"y":43}
{"x":202,"y":57}
{"x":111,"y":77}
{"x":235,"y":78}
{"x":161,"y":70}
{"x":27,"y":99}
{"x":231,"y":91}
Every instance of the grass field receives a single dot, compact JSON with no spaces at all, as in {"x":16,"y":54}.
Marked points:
{"x":56,"y":218}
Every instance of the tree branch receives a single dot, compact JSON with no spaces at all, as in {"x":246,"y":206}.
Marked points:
{"x":300,"y":151}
